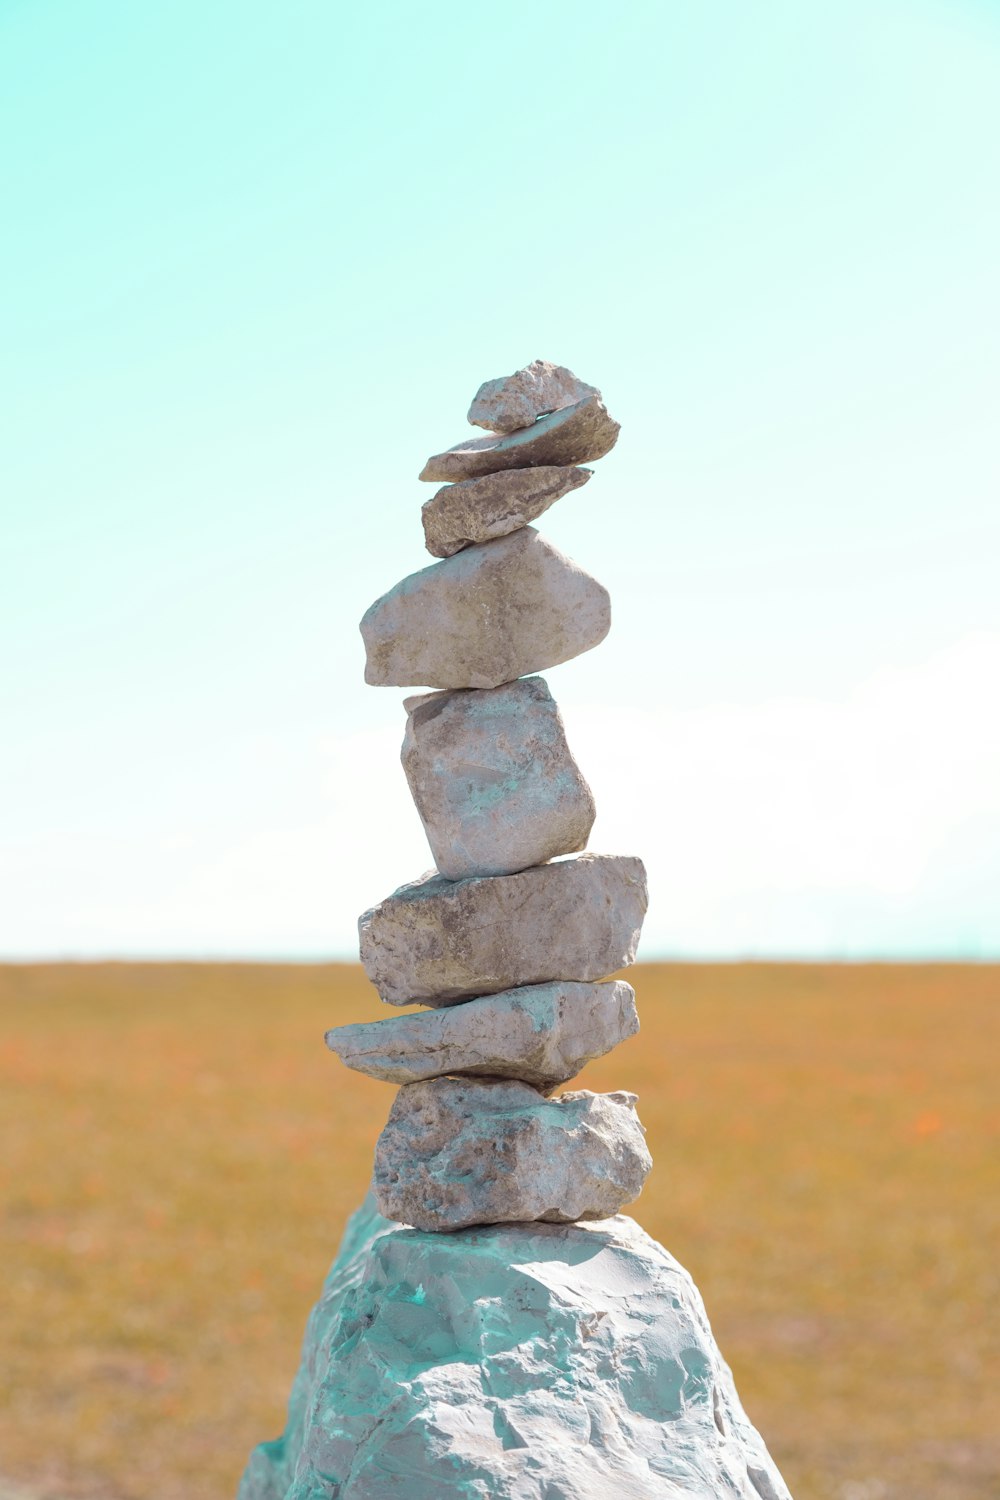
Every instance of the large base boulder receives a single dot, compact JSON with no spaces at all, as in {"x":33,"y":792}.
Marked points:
{"x":517,"y":1362}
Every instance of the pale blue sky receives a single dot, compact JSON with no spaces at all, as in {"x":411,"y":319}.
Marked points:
{"x":255,"y":261}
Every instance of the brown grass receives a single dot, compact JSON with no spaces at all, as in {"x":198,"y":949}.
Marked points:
{"x":180,"y":1152}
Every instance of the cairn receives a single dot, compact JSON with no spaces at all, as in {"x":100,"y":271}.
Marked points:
{"x":505,"y":941}
{"x":536,"y":1355}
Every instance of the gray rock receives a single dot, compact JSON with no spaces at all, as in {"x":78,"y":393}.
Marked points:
{"x":462,"y":1151}
{"x":491,"y":613}
{"x":577,"y":434}
{"x":480,"y":510}
{"x":519,"y":1362}
{"x":516,"y":400}
{"x":439,"y":941}
{"x":493,"y":779}
{"x":542,"y":1033}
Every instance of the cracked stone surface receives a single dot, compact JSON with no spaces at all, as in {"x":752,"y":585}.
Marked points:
{"x":492,"y":613}
{"x":438,"y":941}
{"x":542,"y":1034}
{"x":493,"y":779}
{"x":516,"y":1362}
{"x":515,"y":401}
{"x":576,"y":434}
{"x":480,"y":510}
{"x":462,"y":1151}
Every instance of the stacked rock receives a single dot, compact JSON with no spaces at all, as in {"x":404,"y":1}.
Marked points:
{"x":524,"y":1360}
{"x":505,"y":947}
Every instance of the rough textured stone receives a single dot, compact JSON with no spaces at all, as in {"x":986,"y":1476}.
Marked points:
{"x":519,"y":1362}
{"x":439,"y":941}
{"x":491,"y":613}
{"x":516,"y":400}
{"x":494,"y":782}
{"x":541,"y":1033}
{"x":575,"y":435}
{"x":462,"y":1151}
{"x":480,"y":510}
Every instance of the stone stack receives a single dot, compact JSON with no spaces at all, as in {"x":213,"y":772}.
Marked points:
{"x":529,"y":1356}
{"x":504,"y":946}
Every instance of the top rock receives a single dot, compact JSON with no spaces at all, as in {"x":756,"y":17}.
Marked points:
{"x":516,"y":400}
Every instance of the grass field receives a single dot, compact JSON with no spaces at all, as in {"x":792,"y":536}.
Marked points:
{"x":179,"y":1153}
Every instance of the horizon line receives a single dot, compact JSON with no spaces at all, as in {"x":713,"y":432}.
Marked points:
{"x":324,"y":960}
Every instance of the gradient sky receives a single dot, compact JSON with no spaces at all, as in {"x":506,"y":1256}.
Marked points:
{"x":255,"y":261}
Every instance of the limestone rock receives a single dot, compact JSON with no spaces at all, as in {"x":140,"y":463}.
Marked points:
{"x":479,"y":510}
{"x":493,"y":779}
{"x":485,"y":616}
{"x":541,"y":1033}
{"x":462,"y":1151}
{"x":516,"y":400}
{"x":519,"y":1362}
{"x":576,"y":434}
{"x":439,"y":941}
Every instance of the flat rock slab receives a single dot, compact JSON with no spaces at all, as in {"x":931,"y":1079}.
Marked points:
{"x":462,"y":1151}
{"x":516,"y":400}
{"x":439,"y":941}
{"x":519,"y":1362}
{"x":480,"y":510}
{"x":493,"y":779}
{"x":542,"y":1034}
{"x":485,"y":616}
{"x":577,"y":434}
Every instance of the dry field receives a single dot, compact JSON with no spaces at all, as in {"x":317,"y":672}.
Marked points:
{"x":179,"y":1153}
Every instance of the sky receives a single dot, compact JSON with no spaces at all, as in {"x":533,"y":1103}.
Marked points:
{"x":255,"y":262}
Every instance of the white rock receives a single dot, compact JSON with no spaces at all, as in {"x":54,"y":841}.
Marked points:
{"x":462,"y":1151}
{"x":541,"y":1033}
{"x":485,"y":616}
{"x":438,"y":941}
{"x":516,"y":400}
{"x":494,"y":782}
{"x":479,"y":510}
{"x":575,"y":435}
{"x":520,"y":1362}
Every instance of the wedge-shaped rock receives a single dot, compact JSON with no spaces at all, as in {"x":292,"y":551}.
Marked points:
{"x":494,"y":782}
{"x":577,"y":434}
{"x":520,"y":1362}
{"x":485,"y":616}
{"x":480,"y":510}
{"x":439,"y":941}
{"x":457,"y":1152}
{"x":516,"y":400}
{"x":542,"y":1034}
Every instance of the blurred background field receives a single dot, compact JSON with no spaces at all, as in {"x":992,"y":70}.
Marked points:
{"x":180,"y":1153}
